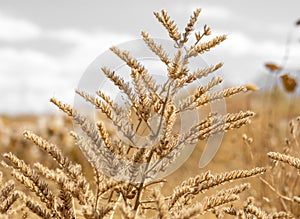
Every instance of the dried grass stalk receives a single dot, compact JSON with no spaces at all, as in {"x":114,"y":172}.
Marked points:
{"x":71,"y":194}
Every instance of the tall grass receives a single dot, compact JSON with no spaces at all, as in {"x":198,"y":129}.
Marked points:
{"x":116,"y":177}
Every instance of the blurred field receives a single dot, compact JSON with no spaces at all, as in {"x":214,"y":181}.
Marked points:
{"x":269,"y":130}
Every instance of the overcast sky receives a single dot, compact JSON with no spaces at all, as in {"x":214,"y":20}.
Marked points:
{"x":45,"y":46}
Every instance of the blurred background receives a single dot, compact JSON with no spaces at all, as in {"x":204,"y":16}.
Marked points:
{"x":45,"y":46}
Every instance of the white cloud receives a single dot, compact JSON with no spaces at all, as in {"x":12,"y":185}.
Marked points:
{"x":216,"y":12}
{"x":211,"y":12}
{"x":24,"y":62}
{"x":87,"y":47}
{"x":12,"y":29}
{"x":244,"y":57}
{"x":29,"y":78}
{"x":238,"y":44}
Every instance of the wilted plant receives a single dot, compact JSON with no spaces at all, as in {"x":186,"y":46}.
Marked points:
{"x":126,"y":168}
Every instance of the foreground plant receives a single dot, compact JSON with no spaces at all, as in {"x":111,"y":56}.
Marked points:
{"x":126,"y":169}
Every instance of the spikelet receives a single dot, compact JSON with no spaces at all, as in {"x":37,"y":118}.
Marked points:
{"x":251,"y":210}
{"x":138,"y":72}
{"x":185,"y":104}
{"x":119,"y":82}
{"x":280,"y":214}
{"x":204,"y":47}
{"x":130,"y":61}
{"x":114,"y":113}
{"x":215,"y":124}
{"x":104,"y":134}
{"x":186,"y":186}
{"x":293,"y":161}
{"x":178,"y":68}
{"x":73,"y":171}
{"x":90,"y":150}
{"x":8,"y":195}
{"x":206,"y":181}
{"x":169,"y":24}
{"x":232,"y":121}
{"x":8,"y":202}
{"x":51,"y":149}
{"x":170,"y":118}
{"x":118,"y":110}
{"x":157,"y":49}
{"x":67,"y":209}
{"x":35,"y":207}
{"x":105,"y":108}
{"x":86,"y":126}
{"x":228,"y":176}
{"x":198,"y":74}
{"x":235,"y":190}
{"x":190,"y":26}
{"x":144,"y":102}
{"x":27,"y":176}
{"x":218,"y":95}
{"x":209,"y":203}
{"x":199,"y":36}
{"x":6,"y":189}
{"x":214,"y":201}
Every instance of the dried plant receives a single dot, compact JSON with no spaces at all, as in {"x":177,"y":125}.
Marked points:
{"x":279,"y":186}
{"x":289,"y":83}
{"x":125,"y":168}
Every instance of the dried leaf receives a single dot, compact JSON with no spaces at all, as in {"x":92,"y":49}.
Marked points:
{"x":272,"y":67}
{"x":288,"y":82}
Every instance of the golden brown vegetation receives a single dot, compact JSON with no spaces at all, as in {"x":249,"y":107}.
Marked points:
{"x":70,"y":186}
